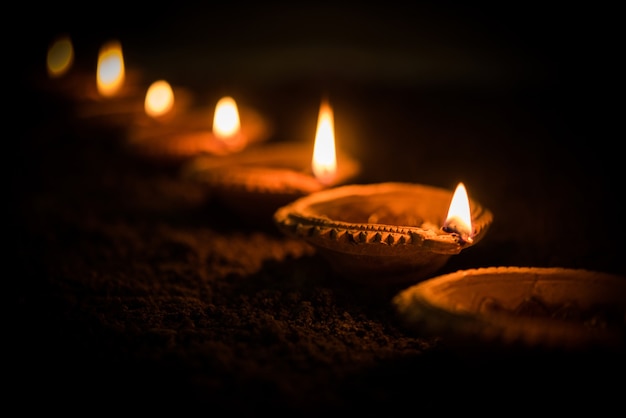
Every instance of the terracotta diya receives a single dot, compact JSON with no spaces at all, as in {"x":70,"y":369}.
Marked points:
{"x":186,"y":131}
{"x":113,"y":94}
{"x":385,"y":233}
{"x":260,"y":179}
{"x":546,"y":308}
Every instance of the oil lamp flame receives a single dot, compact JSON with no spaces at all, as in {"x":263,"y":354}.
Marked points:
{"x":226,"y":124}
{"x":111,"y":71}
{"x":159,"y":99}
{"x":459,"y":219}
{"x":324,"y":163}
{"x":60,"y":56}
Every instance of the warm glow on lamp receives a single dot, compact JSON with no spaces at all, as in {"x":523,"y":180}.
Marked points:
{"x":226,"y":124}
{"x":60,"y":56}
{"x":159,"y":99}
{"x":324,"y":162}
{"x":111,"y":72}
{"x":459,"y":219}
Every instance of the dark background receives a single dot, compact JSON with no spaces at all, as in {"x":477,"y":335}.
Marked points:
{"x":122,"y":273}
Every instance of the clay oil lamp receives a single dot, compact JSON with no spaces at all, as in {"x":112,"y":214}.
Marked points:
{"x":540,"y":308}
{"x":386,"y":233}
{"x":172,"y":129}
{"x":112,"y":96}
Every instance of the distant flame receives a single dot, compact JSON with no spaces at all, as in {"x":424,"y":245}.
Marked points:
{"x":60,"y":56}
{"x":111,"y":71}
{"x":459,"y":219}
{"x":159,"y":99}
{"x":226,"y":124}
{"x":324,"y":162}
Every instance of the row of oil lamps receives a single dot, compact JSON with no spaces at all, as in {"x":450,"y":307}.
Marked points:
{"x":377,"y":234}
{"x":226,"y":155}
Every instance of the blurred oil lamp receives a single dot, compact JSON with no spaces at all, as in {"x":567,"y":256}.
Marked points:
{"x":171,"y":131}
{"x":386,"y":233}
{"x":114,"y":94}
{"x":257,"y":181}
{"x":507,"y":308}
{"x":61,"y":79}
{"x":60,"y":57}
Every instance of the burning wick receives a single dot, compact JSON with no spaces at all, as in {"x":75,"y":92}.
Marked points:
{"x":459,"y":220}
{"x":111,"y":71}
{"x":324,"y":162}
{"x":455,"y":225}
{"x":227,"y":125}
{"x":159,"y":99}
